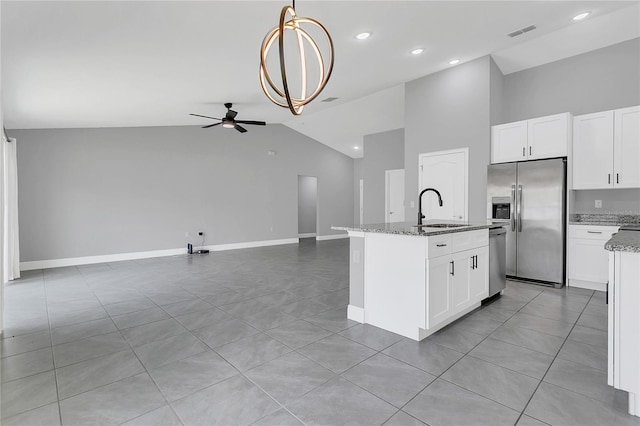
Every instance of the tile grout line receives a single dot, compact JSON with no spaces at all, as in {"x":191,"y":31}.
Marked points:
{"x":554,"y":360}
{"x":53,"y":361}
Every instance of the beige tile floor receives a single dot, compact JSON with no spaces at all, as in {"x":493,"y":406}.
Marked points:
{"x":260,"y":336}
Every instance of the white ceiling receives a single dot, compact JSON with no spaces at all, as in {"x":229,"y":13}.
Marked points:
{"x":115,"y":63}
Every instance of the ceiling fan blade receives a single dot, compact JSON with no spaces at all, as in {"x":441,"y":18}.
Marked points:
{"x":211,"y":125}
{"x":205,"y":116}
{"x":241,"y":129}
{"x":255,"y":123}
{"x":231,"y":114}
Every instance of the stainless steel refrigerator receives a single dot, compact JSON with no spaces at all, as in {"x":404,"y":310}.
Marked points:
{"x":530,"y":198}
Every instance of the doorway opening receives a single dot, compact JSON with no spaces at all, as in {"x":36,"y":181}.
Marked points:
{"x":307,"y":206}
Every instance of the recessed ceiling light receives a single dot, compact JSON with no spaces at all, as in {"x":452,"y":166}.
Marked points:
{"x":356,"y":147}
{"x":363,"y":36}
{"x":417,"y":51}
{"x":581,"y":16}
{"x":454,"y":61}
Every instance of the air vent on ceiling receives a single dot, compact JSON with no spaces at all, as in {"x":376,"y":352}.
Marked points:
{"x":331,"y":99}
{"x":522,"y":31}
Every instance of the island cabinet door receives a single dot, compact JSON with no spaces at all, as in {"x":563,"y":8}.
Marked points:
{"x":438,"y":296}
{"x":459,"y":280}
{"x":479,"y":274}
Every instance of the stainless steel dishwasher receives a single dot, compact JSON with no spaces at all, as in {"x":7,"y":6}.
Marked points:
{"x":497,"y":260}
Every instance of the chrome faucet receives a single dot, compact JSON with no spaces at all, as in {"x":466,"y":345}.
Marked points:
{"x":420,"y":215}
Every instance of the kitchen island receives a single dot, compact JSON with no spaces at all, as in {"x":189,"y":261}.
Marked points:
{"x":415,"y":280}
{"x":624,"y":314}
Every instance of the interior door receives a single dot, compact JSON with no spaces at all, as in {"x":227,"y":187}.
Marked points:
{"x":445,"y":171}
{"x":394,"y":195}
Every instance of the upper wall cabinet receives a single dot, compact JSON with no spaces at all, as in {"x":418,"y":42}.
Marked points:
{"x":606,"y":149}
{"x":544,"y":137}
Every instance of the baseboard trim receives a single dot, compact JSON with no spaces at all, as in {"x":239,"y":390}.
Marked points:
{"x":307,"y":235}
{"x":355,"y":313}
{"x":88,"y":260}
{"x":331,"y":237}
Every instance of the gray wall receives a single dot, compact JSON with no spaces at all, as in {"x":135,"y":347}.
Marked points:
{"x":102,"y":191}
{"x":357,"y":175}
{"x":446,"y":110}
{"x":600,"y":80}
{"x":382,"y":151}
{"x":613,"y":200}
{"x":307,"y":193}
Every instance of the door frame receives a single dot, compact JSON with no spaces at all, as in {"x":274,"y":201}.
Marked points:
{"x":386,"y":194}
{"x":464,"y":151}
{"x":361,"y":201}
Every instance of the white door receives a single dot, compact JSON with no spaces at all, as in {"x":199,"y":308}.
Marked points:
{"x":479,"y":274}
{"x":548,"y":136}
{"x":593,"y":150}
{"x":626,"y":148}
{"x":394,"y":195}
{"x":459,"y":281}
{"x":445,"y":171}
{"x":509,"y":142}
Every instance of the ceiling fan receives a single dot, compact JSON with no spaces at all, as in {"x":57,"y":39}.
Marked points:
{"x":229,"y":121}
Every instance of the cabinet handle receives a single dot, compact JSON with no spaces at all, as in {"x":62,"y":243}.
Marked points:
{"x":523,"y":152}
{"x":476,"y":263}
{"x":617,"y":178}
{"x":453,"y":268}
{"x":441,"y":245}
{"x":594,"y":232}
{"x":530,"y":151}
{"x":609,"y":178}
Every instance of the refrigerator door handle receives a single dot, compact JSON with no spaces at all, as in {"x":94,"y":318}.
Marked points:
{"x":512,"y":216}
{"x":519,"y":208}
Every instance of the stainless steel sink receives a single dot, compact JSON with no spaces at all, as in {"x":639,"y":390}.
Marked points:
{"x":440,"y":225}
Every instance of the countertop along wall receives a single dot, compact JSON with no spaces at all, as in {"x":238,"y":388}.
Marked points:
{"x":599,"y":80}
{"x":86,"y":192}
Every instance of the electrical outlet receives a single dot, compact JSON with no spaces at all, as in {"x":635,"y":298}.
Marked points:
{"x":413,"y":204}
{"x":598,"y":204}
{"x":186,"y":234}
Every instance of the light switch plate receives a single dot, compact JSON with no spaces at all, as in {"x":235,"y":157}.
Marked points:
{"x":598,"y":204}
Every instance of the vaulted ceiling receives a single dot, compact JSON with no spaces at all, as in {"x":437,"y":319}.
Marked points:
{"x":148,"y":63}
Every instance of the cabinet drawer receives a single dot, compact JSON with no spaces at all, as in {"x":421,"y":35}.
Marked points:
{"x":438,"y":245}
{"x":589,"y":232}
{"x":461,"y":241}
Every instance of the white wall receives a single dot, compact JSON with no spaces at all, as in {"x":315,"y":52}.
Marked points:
{"x":88,"y":192}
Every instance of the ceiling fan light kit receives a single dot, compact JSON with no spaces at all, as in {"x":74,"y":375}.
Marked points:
{"x":282,"y":96}
{"x":229,"y":121}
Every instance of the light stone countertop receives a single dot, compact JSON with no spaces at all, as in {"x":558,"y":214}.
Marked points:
{"x":604,"y":219}
{"x":409,"y":228}
{"x":628,"y":241}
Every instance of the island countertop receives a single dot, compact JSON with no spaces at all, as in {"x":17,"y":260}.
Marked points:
{"x":628,"y":241}
{"x":410,"y":228}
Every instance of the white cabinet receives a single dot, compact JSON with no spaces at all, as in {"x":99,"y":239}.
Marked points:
{"x":626,"y":148}
{"x":509,"y":142}
{"x":543,"y":137}
{"x":459,"y":280}
{"x":588,"y":261}
{"x":549,"y":136}
{"x":624,"y":326}
{"x":593,"y":150}
{"x":606,"y":149}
